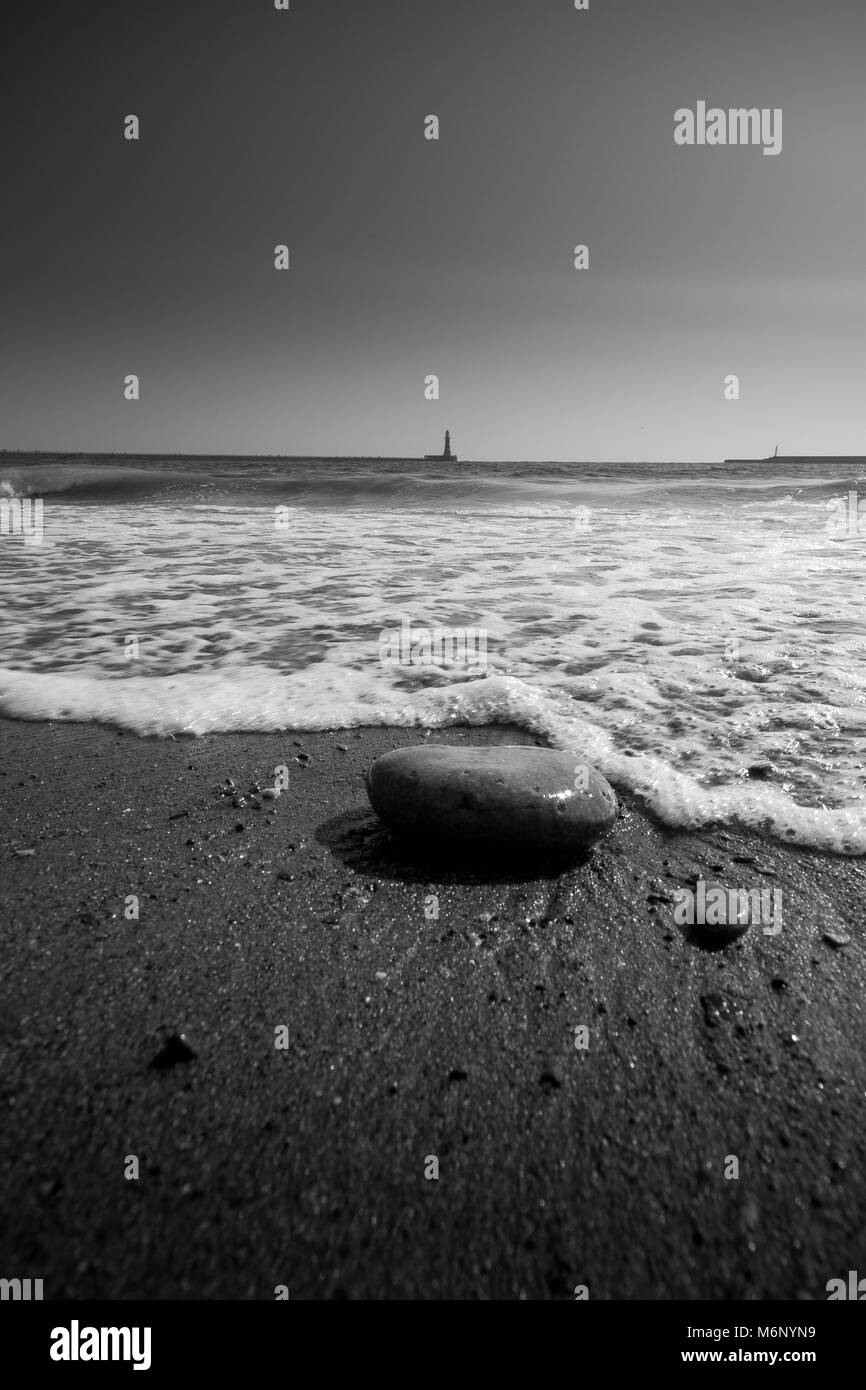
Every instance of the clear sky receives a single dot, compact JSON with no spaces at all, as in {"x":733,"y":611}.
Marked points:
{"x":410,"y":256}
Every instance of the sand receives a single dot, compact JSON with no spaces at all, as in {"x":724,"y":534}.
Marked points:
{"x":409,"y":1037}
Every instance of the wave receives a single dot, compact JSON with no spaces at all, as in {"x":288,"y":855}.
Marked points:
{"x":363,"y":483}
{"x":80,"y":483}
{"x":257,"y":700}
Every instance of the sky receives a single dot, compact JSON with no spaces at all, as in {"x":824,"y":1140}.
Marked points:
{"x":412,"y":257}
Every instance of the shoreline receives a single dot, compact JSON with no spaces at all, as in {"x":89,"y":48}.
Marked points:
{"x":409,"y":1036}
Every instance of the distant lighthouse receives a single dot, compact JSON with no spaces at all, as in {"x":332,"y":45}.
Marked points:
{"x":446,"y":455}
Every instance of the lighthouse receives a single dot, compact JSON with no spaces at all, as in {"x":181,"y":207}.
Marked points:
{"x":446,"y":456}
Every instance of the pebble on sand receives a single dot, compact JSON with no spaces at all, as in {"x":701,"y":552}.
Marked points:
{"x":505,"y":797}
{"x":836,"y":938}
{"x":720,"y":933}
{"x":760,"y":769}
{"x":175,"y":1049}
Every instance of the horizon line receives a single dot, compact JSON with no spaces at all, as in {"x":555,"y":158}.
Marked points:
{"x":411,"y":458}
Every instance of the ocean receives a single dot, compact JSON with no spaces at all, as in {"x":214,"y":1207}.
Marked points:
{"x":674,"y":624}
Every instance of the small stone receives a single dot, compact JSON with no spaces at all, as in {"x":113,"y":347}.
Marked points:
{"x":717,"y":933}
{"x":381,"y":974}
{"x":507,"y":797}
{"x":270,"y":793}
{"x":175,"y":1049}
{"x":760,"y":770}
{"x":23,"y":853}
{"x":302,"y":758}
{"x":229,"y":784}
{"x":836,"y":938}
{"x":717,"y":1009}
{"x":341,"y":748}
{"x":721,"y":933}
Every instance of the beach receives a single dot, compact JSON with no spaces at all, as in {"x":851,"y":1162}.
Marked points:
{"x":410,"y":1036}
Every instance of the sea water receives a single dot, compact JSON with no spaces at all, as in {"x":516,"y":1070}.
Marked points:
{"x":675,"y":624}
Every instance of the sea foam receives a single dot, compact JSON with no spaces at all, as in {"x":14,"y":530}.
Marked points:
{"x":672,"y":624}
{"x":256,"y":701}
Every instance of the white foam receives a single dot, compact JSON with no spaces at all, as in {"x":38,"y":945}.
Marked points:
{"x":255,"y":700}
{"x":674,"y":642}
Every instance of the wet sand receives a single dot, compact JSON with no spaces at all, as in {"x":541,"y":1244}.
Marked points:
{"x":409,"y":1036}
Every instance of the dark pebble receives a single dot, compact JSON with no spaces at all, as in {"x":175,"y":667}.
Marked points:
{"x":175,"y":1049}
{"x":760,"y":770}
{"x":837,"y":938}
